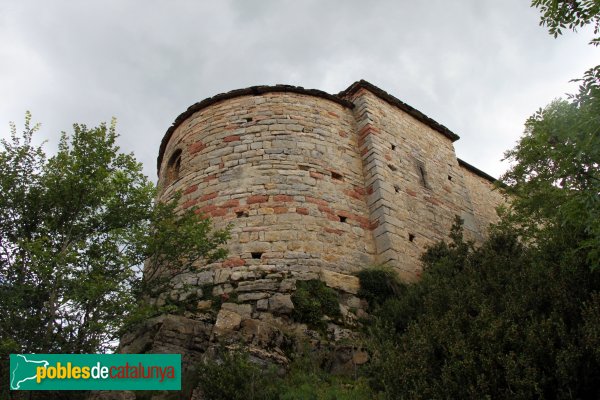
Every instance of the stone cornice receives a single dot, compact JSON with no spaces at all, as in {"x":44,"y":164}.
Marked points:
{"x":476,"y":171}
{"x":385,"y":96}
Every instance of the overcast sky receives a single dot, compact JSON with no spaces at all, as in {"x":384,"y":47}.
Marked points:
{"x":480,"y":67}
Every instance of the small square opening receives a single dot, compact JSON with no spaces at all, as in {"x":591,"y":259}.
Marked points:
{"x":411,"y":237}
{"x":342,"y":218}
{"x":393,"y":147}
{"x":256,"y":255}
{"x":248,"y":119}
{"x":336,"y":176}
{"x":397,"y":188}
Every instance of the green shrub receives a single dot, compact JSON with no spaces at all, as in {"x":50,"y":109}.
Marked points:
{"x":378,"y":284}
{"x":235,"y":377}
{"x":334,"y":388}
{"x":313,"y":300}
{"x":501,"y":321}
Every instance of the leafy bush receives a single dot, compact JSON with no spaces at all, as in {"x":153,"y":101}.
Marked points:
{"x":325,"y":387}
{"x":378,"y":284}
{"x":313,"y":300}
{"x":235,"y":377}
{"x":502,"y":321}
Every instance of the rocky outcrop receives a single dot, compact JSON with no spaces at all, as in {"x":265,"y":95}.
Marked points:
{"x":257,"y":315}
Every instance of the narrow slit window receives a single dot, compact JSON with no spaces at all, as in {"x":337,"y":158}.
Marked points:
{"x":411,"y":237}
{"x":422,"y":174}
{"x":393,"y":147}
{"x":449,"y":177}
{"x":174,"y":166}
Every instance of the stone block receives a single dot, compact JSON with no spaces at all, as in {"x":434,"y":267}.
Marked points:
{"x":262,"y":305}
{"x":227,"y":321}
{"x":346,"y":283}
{"x":205,"y":277}
{"x":287,"y":285}
{"x":244,"y":310}
{"x":258,"y":285}
{"x":253,"y":296}
{"x":222,"y":289}
{"x":222,"y":275}
{"x":204,"y":305}
{"x":187,"y":279}
{"x":281,"y":304}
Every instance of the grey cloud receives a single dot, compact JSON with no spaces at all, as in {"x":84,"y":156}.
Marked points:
{"x":478,"y":67}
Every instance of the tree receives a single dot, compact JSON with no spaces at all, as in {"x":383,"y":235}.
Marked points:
{"x":75,"y":230}
{"x":554,"y":181}
{"x":517,"y":317}
{"x":571,"y":14}
{"x":500,"y":321}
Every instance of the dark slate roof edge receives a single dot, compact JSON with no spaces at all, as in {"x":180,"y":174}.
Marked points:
{"x":382,"y":94}
{"x":250,"y":91}
{"x":476,"y":171}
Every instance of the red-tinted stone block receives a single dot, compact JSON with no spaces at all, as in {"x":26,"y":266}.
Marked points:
{"x":259,"y":198}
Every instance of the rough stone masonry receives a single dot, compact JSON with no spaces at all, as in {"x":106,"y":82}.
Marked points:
{"x":316,"y":186}
{"x":315,"y":182}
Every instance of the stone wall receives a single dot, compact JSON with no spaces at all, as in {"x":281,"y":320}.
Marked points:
{"x":484,"y":196}
{"x":284,"y":170}
{"x":314,"y":186}
{"x":312,"y":182}
{"x":415,"y":184}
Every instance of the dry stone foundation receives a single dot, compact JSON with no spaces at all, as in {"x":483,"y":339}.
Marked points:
{"x":315,"y":186}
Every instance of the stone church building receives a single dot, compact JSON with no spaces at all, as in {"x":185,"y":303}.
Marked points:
{"x":314,"y":181}
{"x":315,"y":186}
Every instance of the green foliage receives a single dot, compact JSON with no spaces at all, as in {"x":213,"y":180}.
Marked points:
{"x":313,"y":300}
{"x":570,"y":14}
{"x":75,"y":229}
{"x":378,"y":284}
{"x":235,"y":376}
{"x":314,"y":383}
{"x":518,"y":317}
{"x":175,"y":244}
{"x":501,"y":321}
{"x":555,"y":180}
